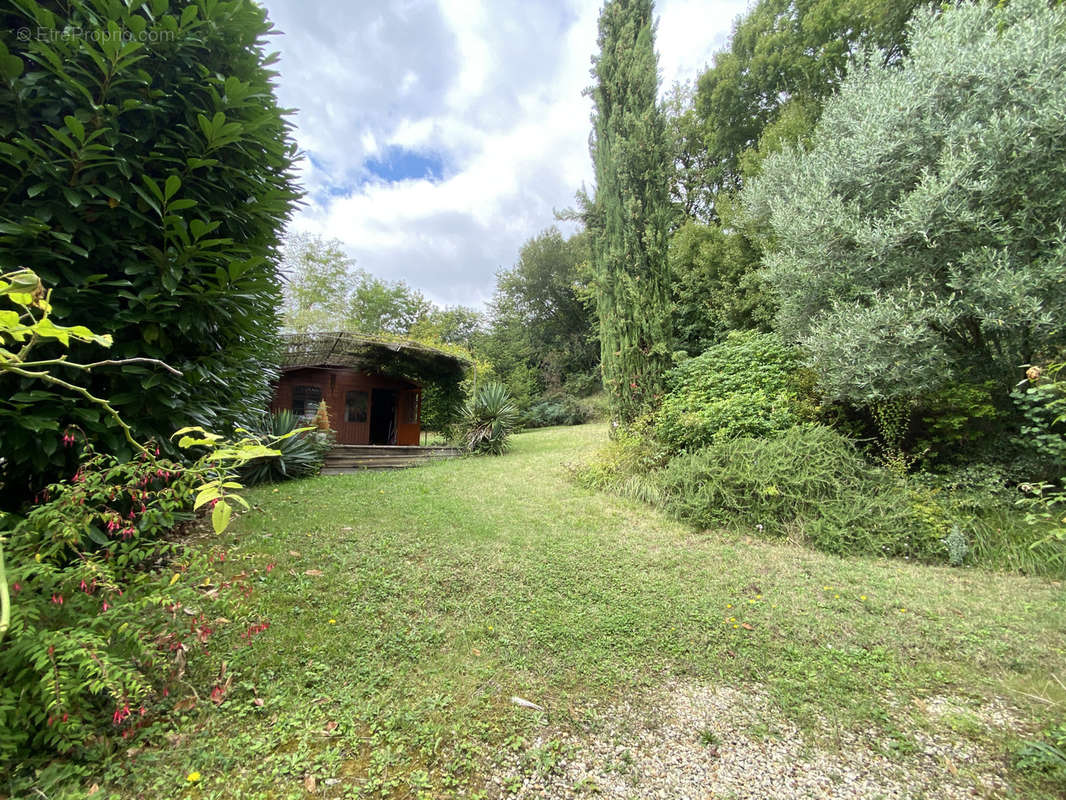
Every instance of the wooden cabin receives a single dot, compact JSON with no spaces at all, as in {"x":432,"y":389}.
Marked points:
{"x":364,"y":407}
{"x":372,"y":386}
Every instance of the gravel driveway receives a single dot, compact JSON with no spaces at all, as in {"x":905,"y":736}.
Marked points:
{"x":692,"y":742}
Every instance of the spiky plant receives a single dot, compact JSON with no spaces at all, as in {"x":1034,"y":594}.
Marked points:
{"x":489,"y":419}
{"x":301,"y":454}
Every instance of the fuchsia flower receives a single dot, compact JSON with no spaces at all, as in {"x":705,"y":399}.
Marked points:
{"x":57,"y":599}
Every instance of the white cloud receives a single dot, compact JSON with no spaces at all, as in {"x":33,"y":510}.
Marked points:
{"x":493,"y":88}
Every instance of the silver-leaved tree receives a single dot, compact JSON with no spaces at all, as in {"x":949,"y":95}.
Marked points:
{"x":919,"y":240}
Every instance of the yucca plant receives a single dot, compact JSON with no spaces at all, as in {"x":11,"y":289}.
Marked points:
{"x":301,"y":454}
{"x":489,"y":419}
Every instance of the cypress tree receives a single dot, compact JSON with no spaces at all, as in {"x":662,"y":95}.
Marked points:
{"x":630,"y":213}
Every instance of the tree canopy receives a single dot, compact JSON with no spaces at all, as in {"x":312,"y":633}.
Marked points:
{"x":784,"y":59}
{"x":920,"y":238}
{"x":326,"y":291}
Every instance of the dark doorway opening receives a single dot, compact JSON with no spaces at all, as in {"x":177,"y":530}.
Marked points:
{"x":383,"y":416}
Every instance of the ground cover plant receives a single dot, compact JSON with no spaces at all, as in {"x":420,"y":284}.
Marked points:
{"x":407,"y":610}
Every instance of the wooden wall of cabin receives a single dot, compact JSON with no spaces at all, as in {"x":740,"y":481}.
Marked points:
{"x":350,"y":398}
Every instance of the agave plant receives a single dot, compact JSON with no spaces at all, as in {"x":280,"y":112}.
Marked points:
{"x":301,"y":454}
{"x":489,"y":418}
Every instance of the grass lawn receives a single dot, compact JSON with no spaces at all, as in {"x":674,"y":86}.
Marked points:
{"x":406,"y":609}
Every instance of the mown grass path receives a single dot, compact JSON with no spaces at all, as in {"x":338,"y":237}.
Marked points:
{"x":407,"y":608}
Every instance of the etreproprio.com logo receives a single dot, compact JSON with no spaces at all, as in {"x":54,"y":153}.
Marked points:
{"x":27,"y":34}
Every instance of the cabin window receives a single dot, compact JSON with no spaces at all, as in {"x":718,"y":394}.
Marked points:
{"x":355,"y":407}
{"x":305,"y":400}
{"x":410,"y":411}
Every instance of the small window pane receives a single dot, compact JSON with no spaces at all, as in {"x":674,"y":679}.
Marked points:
{"x":355,"y":406}
{"x":305,"y":399}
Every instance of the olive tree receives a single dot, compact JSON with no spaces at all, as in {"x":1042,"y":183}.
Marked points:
{"x":919,"y":239}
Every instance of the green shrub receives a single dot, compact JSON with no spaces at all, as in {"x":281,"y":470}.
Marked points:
{"x":489,"y":419}
{"x":557,"y":410}
{"x":744,"y":386}
{"x":956,"y":420}
{"x":97,"y":632}
{"x":301,"y":453}
{"x":808,"y":483}
{"x":1041,"y":400}
{"x":918,"y":238}
{"x":146,"y":173}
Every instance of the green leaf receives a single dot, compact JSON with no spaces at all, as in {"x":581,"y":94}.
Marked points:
{"x":11,"y":67}
{"x":173,"y":181}
{"x":220,"y":516}
{"x":97,"y":535}
{"x":75,"y":127}
{"x":206,"y":495}
{"x":153,"y":187}
{"x":72,"y":197}
{"x":188,"y":14}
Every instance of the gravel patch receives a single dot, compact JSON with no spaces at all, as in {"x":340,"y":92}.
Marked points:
{"x":693,"y":742}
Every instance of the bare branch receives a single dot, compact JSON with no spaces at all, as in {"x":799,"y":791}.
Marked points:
{"x":117,"y":362}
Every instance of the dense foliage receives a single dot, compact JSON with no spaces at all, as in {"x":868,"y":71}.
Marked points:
{"x":784,"y":59}
{"x":745,"y":386}
{"x":919,"y":241}
{"x":89,"y":627}
{"x":806,"y":482}
{"x":715,"y":286}
{"x":90,"y":638}
{"x":881,"y":201}
{"x":147,"y":173}
{"x":540,"y":303}
{"x":629,"y":216}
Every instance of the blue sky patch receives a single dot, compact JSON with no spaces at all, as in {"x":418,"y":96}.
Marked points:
{"x":399,"y":164}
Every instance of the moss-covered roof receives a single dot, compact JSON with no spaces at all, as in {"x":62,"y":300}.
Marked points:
{"x":399,"y":357}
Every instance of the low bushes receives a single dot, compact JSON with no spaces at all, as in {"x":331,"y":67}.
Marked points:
{"x":561,"y":409}
{"x":809,"y":483}
{"x":812,"y":485}
{"x":745,"y":386}
{"x":101,"y":591}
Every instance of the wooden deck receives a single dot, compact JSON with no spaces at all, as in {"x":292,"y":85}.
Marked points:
{"x":354,"y":457}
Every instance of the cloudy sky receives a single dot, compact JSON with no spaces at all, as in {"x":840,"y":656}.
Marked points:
{"x":439,"y":135}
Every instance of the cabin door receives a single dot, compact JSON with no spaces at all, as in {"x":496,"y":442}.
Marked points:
{"x":383,"y":416}
{"x":410,"y":414}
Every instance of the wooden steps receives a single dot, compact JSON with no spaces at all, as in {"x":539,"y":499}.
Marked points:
{"x":354,"y":457}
